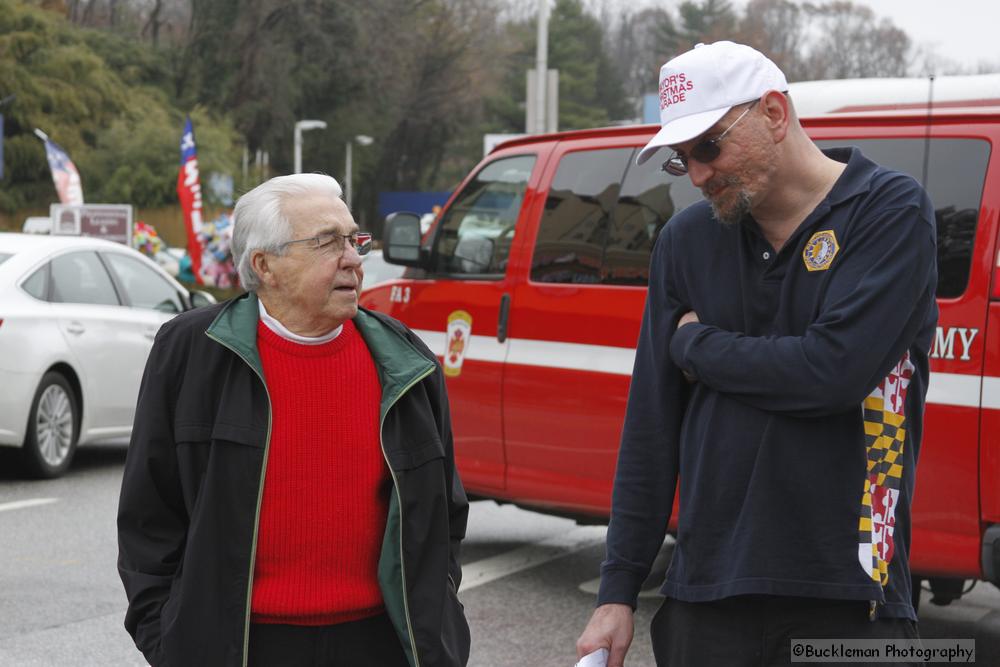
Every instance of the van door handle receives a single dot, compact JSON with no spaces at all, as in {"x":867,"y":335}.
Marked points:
{"x":502,"y":320}
{"x":75,"y":328}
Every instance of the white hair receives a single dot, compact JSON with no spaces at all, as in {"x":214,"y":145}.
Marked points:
{"x":259,"y":223}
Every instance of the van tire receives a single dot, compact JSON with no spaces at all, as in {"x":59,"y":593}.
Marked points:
{"x":53,"y":428}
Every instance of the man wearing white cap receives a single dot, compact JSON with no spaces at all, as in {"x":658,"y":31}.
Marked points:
{"x":780,"y":376}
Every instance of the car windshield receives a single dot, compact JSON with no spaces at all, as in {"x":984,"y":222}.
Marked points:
{"x":4,"y":256}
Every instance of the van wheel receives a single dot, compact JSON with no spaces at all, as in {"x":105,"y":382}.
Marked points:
{"x":53,"y":428}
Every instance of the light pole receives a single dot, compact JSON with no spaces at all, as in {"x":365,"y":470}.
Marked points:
{"x":363,"y":140}
{"x":301,"y":127}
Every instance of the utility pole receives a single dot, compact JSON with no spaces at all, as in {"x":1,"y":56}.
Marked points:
{"x":541,"y":100}
{"x":541,"y":66}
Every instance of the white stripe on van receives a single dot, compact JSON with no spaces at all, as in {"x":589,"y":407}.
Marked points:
{"x":991,"y":393}
{"x":480,"y":348}
{"x":954,"y":389}
{"x":945,"y":388}
{"x":572,"y":356}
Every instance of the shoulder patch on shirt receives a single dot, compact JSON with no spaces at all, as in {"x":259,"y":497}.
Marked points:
{"x":820,"y":250}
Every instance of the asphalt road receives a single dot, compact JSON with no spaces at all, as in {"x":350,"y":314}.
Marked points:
{"x":528,"y":589}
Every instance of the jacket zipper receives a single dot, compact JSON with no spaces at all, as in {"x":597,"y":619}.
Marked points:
{"x":399,"y":502}
{"x":260,"y":496}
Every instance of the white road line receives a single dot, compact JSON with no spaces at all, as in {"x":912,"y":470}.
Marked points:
{"x":21,"y":504}
{"x":496,"y":567}
{"x":591,"y":586}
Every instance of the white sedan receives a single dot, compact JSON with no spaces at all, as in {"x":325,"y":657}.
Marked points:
{"x":77,"y":319}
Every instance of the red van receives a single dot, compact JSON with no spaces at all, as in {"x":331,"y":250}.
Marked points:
{"x":532,"y":282}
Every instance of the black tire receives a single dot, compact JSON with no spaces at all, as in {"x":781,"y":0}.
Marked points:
{"x":53,"y":428}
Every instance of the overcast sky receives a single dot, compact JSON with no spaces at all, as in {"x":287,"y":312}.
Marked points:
{"x":962,"y":30}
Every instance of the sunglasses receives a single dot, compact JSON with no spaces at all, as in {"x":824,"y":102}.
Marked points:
{"x":704,"y":151}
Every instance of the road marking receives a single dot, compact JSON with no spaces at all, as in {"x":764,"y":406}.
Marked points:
{"x":496,"y":567}
{"x":21,"y":504}
{"x":591,"y":586}
{"x":657,"y":572}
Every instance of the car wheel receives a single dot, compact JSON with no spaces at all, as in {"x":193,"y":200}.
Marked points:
{"x":53,"y":428}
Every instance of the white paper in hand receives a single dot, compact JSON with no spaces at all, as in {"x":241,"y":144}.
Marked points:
{"x":598,"y":658}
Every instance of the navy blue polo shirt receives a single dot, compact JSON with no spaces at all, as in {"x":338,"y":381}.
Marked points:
{"x":796,"y":447}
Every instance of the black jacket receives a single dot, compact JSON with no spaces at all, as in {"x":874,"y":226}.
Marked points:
{"x":797,"y":448}
{"x":194,"y":475}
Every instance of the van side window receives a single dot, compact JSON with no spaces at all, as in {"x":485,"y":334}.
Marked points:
{"x":475,"y":235}
{"x":574,"y":226}
{"x":956,"y":172}
{"x":648,"y":198}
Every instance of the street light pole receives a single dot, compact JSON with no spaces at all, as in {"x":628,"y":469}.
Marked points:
{"x":300,"y":127}
{"x":363,"y":140}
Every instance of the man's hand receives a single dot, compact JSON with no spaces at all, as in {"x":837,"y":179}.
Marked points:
{"x":688,"y":318}
{"x":610,"y":627}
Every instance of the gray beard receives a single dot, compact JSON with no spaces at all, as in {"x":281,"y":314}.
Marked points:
{"x":735,"y":213}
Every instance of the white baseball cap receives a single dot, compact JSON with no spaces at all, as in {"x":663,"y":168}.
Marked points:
{"x":698,"y":87}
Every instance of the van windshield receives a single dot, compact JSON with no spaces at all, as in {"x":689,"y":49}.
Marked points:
{"x":476,"y":231}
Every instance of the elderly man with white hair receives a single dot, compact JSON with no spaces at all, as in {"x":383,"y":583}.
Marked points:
{"x":290,"y":494}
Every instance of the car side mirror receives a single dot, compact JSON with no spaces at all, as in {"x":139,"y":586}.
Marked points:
{"x":199,"y":299}
{"x":401,"y":241}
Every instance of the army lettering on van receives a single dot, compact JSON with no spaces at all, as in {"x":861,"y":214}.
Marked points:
{"x":944,"y":343}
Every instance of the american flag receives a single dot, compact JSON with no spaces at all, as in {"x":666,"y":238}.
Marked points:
{"x":64,"y":174}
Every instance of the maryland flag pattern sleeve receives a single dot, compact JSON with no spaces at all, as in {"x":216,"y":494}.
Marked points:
{"x":885,"y":435}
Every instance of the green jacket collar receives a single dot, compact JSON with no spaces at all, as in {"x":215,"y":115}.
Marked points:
{"x":398,"y":361}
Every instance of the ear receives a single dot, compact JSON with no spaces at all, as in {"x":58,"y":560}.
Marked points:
{"x":260,"y":266}
{"x":777,"y":111}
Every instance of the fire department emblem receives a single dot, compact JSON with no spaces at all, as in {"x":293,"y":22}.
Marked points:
{"x":820,"y":251}
{"x":457,"y":342}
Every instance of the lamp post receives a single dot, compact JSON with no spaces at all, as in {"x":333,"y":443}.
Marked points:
{"x":363,"y":140}
{"x":301,"y":127}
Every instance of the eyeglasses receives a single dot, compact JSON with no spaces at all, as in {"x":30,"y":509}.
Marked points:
{"x":704,"y":151}
{"x":336,"y":243}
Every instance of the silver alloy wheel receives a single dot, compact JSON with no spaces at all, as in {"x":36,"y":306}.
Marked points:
{"x":54,"y":424}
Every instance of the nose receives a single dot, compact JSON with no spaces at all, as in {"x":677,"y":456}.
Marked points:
{"x":699,"y":173}
{"x":350,"y":258}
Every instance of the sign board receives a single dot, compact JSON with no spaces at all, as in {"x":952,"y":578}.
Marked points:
{"x":112,"y":222}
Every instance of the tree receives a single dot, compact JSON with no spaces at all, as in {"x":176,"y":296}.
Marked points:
{"x":776,"y":28}
{"x":706,"y":21}
{"x":590,"y":91}
{"x":102,"y":97}
{"x":852,"y":43}
{"x":639,"y":42}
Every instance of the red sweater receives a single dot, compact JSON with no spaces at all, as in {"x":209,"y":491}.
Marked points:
{"x":326,"y":486}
